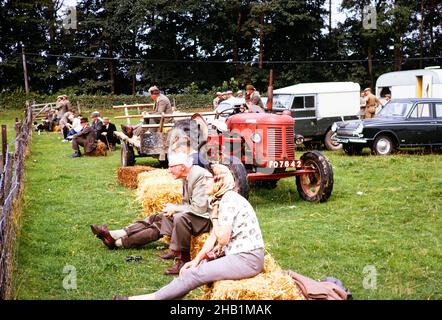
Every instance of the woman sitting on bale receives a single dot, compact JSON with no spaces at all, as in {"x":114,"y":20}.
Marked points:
{"x":235,"y":233}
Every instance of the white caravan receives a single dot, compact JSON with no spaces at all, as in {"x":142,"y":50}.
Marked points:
{"x":422,"y":83}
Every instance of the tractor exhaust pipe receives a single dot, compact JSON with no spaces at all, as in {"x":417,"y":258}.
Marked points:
{"x":269,"y":104}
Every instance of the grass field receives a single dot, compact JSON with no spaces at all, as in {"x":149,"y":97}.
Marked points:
{"x":380,"y":232}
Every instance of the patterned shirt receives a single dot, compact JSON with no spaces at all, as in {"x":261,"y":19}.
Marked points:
{"x":237,"y":213}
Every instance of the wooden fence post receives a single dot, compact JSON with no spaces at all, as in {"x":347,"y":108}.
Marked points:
{"x":4,"y":145}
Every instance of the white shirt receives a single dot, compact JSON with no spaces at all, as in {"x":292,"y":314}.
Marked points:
{"x":76,"y":125}
{"x":237,"y":213}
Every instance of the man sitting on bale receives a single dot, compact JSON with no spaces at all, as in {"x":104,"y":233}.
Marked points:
{"x":84,"y":138}
{"x":162,"y":105}
{"x":108,"y":134}
{"x":236,"y":234}
{"x":97,"y":126}
{"x":179,"y":222}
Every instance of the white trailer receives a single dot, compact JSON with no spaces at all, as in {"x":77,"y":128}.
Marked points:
{"x":421,"y":83}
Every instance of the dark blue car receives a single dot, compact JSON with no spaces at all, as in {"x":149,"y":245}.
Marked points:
{"x":414,"y":122}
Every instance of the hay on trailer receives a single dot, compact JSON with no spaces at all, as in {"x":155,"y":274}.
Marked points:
{"x":271,"y":284}
{"x":99,"y":151}
{"x":128,"y":176}
{"x":156,"y":188}
{"x":197,"y":243}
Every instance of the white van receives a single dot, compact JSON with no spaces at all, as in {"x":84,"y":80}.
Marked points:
{"x":316,"y":106}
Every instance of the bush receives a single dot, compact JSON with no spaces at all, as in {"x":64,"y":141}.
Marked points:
{"x":16,"y":99}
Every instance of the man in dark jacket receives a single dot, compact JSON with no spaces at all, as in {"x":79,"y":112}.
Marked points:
{"x":97,"y":126}
{"x":85,"y":138}
{"x":108,"y":134}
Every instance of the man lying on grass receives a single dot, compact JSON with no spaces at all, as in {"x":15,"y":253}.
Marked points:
{"x":235,"y":232}
{"x":180,"y":222}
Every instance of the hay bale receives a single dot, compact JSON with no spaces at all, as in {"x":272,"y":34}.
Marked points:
{"x":156,"y":188}
{"x":197,"y":243}
{"x":128,"y":176}
{"x":271,"y":284}
{"x":99,"y":151}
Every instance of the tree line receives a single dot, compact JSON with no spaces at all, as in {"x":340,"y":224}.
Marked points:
{"x":123,"y":46}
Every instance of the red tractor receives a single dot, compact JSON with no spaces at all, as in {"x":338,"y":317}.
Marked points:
{"x":260,"y":148}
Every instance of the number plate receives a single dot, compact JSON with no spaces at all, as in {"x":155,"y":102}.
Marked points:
{"x":285,"y":164}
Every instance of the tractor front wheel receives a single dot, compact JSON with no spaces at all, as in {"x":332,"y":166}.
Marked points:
{"x":316,"y":186}
{"x":127,"y":155}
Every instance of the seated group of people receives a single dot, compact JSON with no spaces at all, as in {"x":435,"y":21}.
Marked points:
{"x":210,"y":203}
{"x":54,"y":116}
{"x":87,"y":135}
{"x":253,"y":102}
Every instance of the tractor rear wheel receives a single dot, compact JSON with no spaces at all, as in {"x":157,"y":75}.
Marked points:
{"x":316,"y":186}
{"x":164,"y":163}
{"x":127,"y":155}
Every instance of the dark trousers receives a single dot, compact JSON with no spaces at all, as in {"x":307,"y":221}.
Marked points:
{"x":65,"y":131}
{"x":142,"y":232}
{"x":181,"y":227}
{"x":78,"y":141}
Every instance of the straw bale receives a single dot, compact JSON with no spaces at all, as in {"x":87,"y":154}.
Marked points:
{"x":165,"y":239}
{"x":99,"y":151}
{"x":197,"y":243}
{"x":156,"y":188}
{"x":128,"y":176}
{"x":271,"y":284}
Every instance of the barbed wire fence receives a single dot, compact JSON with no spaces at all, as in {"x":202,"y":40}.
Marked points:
{"x":11,"y":192}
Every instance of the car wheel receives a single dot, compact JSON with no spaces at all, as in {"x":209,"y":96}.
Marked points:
{"x":329,"y":143}
{"x":383,"y":145}
{"x":352,"y":149}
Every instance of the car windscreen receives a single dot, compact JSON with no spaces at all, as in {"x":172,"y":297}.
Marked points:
{"x":282,"y":101}
{"x":395,"y":109}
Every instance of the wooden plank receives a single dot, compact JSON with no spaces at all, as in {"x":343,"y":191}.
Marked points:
{"x":166,"y":125}
{"x":132,"y":141}
{"x":174,"y":115}
{"x":161,"y":123}
{"x":43,"y":104}
{"x":134,"y":106}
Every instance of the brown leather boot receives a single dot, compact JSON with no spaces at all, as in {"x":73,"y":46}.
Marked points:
{"x":168,"y":255}
{"x":107,"y":238}
{"x":98,"y":231}
{"x":182,"y":258}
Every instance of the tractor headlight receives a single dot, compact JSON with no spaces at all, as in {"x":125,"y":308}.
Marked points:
{"x":256,"y":137}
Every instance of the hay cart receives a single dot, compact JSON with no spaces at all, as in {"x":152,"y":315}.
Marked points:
{"x":258,"y":148}
{"x":152,"y":144}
